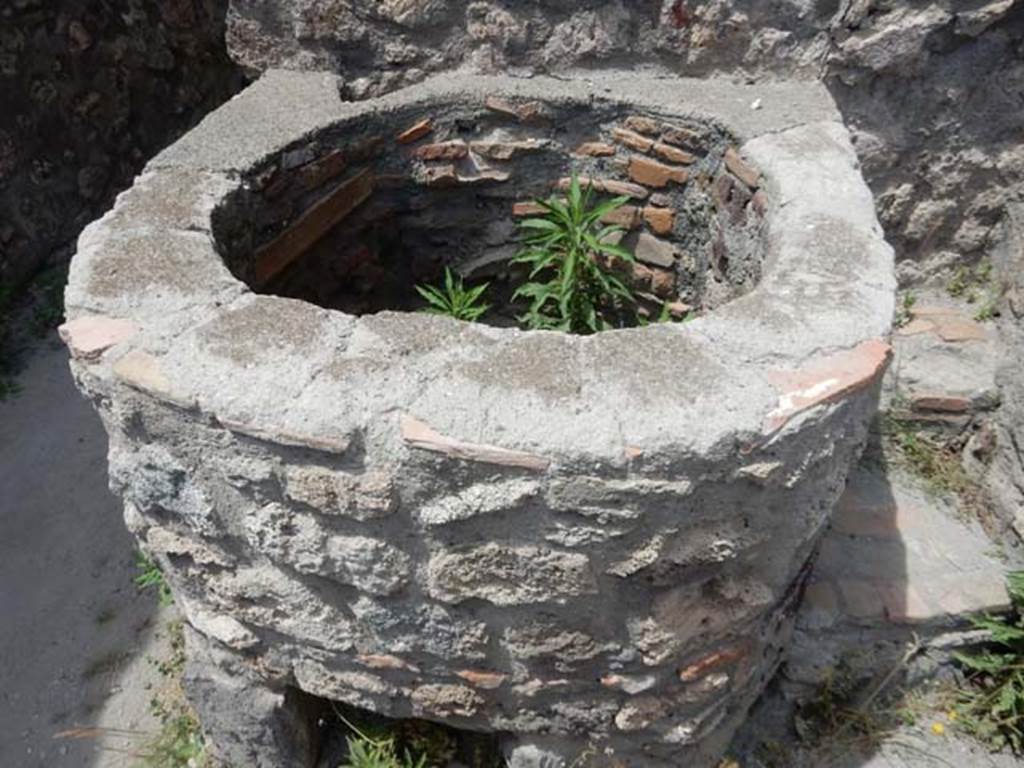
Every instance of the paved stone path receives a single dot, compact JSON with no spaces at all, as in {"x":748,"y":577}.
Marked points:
{"x":944,"y":369}
{"x":897,"y":553}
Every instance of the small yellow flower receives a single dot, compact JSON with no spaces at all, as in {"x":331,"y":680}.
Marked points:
{"x":938,"y":729}
{"x":951,"y":715}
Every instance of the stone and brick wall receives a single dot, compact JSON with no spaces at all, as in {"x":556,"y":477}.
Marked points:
{"x":586,"y":543}
{"x":90,"y":91}
{"x":931,"y":91}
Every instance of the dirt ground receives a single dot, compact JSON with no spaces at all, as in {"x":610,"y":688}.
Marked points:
{"x":76,"y":636}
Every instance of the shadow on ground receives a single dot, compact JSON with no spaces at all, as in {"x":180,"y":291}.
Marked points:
{"x":75,"y":633}
{"x":900,"y":567}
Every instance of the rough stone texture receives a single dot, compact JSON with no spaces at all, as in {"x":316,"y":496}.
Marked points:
{"x":90,"y":91}
{"x":424,"y":517}
{"x":268,"y":728}
{"x":930,"y":90}
{"x":946,"y":361}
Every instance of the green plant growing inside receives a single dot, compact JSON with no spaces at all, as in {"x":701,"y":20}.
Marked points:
{"x":570,"y":286}
{"x":927,"y":458}
{"x":454,"y":299}
{"x":151,"y":577}
{"x":376,"y":748}
{"x":992,"y":707}
{"x":364,"y":752}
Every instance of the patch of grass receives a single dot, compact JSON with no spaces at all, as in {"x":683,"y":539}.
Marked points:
{"x":830,"y":708}
{"x":151,"y":577}
{"x":938,"y":465}
{"x":928,"y":458}
{"x":569,"y":287}
{"x":976,"y":286}
{"x":959,"y":283}
{"x":988,"y":309}
{"x":179,"y":743}
{"x":454,"y":299}
{"x":860,"y":707}
{"x":373,"y":741}
{"x":774,"y":754}
{"x":904,"y":310}
{"x":991,"y":706}
{"x":378,"y":747}
{"x":665,"y":316}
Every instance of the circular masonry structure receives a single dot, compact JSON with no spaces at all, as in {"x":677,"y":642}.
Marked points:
{"x":586,"y":544}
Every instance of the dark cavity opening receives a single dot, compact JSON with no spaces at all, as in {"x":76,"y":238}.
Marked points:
{"x":355,"y":218}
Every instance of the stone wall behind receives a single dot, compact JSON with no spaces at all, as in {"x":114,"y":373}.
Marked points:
{"x":932,"y":90}
{"x":90,"y":90}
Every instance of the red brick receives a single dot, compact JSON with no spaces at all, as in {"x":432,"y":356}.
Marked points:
{"x":739,"y":168}
{"x":527,"y":209}
{"x":710,"y":663}
{"x":759,"y":202}
{"x":651,"y":250}
{"x":641,"y":276}
{"x":660,"y":220}
{"x":674,"y":155}
{"x":916,"y":326}
{"x":935,"y":311}
{"x":827,"y":380}
{"x":89,"y":337}
{"x":384,"y":661}
{"x":420,"y":435}
{"x":440,"y":176}
{"x":416,"y":131}
{"x":632,"y":139}
{"x":682,"y":137}
{"x":445,"y":150}
{"x":642,"y":124}
{"x":627,"y":216}
{"x":528,"y":111}
{"x":595,"y":149}
{"x":276,"y":255}
{"x":951,"y":328}
{"x":651,"y":173}
{"x":323,"y":169}
{"x":679,"y":309}
{"x":942,"y":403}
{"x":663,"y":283}
{"x":478,"y":679}
{"x":483,"y":175}
{"x":607,"y":185}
